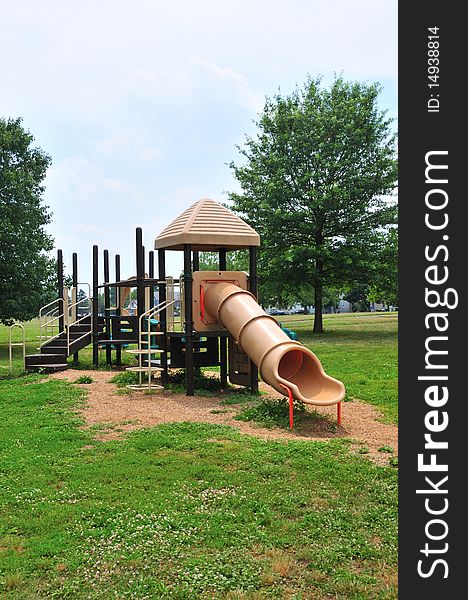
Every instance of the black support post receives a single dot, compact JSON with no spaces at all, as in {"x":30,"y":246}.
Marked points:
{"x":163,"y":313}
{"x":140,"y":266}
{"x":60,"y":288}
{"x":75,"y":285}
{"x":107,"y":308}
{"x":151,"y":275}
{"x":196,"y":260}
{"x":95,"y":306}
{"x":118,"y":348}
{"x":188,"y":328}
{"x":223,"y":366}
{"x":253,"y":288}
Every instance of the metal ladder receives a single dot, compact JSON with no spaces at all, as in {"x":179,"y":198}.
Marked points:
{"x":145,"y":336}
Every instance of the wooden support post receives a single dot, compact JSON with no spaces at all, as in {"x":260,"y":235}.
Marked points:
{"x":107,"y":308}
{"x":163,"y":314}
{"x":95,"y":332}
{"x":118,"y":348}
{"x":60,"y":288}
{"x":75,"y":285}
{"x":253,"y":288}
{"x":223,"y":360}
{"x":188,"y":326}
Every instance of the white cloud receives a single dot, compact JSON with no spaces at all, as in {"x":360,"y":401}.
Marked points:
{"x":234,"y":83}
{"x":162,"y":82}
{"x":89,"y":230}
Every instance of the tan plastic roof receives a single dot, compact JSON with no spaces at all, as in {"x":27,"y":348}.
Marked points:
{"x":207,"y":225}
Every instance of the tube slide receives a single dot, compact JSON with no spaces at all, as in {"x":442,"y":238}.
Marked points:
{"x":281,"y":361}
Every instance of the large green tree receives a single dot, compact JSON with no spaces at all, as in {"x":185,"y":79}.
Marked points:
{"x":26,"y":272}
{"x":313,"y":184}
{"x":384,"y":285}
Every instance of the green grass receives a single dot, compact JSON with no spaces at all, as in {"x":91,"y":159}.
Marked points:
{"x":273,"y":413}
{"x":183,"y":510}
{"x":84,"y":379}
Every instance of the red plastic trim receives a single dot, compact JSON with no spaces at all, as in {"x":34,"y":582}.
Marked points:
{"x":291,"y":406}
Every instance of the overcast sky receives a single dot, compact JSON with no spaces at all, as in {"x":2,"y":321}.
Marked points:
{"x":141,"y":104}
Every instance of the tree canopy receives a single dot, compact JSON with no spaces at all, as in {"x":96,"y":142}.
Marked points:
{"x":314,"y":184}
{"x":26,"y":272}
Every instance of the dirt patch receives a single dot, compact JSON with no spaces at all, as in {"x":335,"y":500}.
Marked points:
{"x":111,"y":414}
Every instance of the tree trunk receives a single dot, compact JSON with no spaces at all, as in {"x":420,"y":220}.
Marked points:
{"x":318,"y":291}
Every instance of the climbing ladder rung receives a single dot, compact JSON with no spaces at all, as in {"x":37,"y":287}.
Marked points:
{"x":150,"y":351}
{"x":143,"y":369}
{"x":144,"y":386}
{"x":152,"y":333}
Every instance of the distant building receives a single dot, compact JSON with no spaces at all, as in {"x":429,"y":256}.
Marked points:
{"x":344,"y":306}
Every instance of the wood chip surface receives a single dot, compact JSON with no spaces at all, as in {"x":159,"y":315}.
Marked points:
{"x":119,"y":413}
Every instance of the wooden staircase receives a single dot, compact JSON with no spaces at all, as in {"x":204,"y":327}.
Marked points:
{"x":54,"y":352}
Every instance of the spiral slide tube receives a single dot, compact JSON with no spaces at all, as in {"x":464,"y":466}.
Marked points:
{"x":282,"y":363}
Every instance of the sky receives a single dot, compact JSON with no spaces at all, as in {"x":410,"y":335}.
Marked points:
{"x":141,"y":104}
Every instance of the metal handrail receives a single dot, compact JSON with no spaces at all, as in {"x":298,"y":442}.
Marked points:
{"x":52,"y":320}
{"x":42,"y":315}
{"x":170,"y":295}
{"x":11,"y":344}
{"x":117,"y":297}
{"x":45,"y":322}
{"x":50,"y":303}
{"x":49,"y":339}
{"x":74,"y":320}
{"x":81,"y":336}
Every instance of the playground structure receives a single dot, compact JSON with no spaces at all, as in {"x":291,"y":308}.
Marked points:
{"x":219,"y":323}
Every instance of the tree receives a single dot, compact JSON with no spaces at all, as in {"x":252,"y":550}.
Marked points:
{"x":312,"y":185}
{"x":235,"y":261}
{"x":384,"y":286}
{"x":26,"y":272}
{"x":358,"y":298}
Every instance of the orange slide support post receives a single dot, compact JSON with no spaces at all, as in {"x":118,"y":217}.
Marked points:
{"x":282,"y":362}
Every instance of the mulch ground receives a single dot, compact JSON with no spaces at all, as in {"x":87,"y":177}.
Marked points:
{"x":115,"y":413}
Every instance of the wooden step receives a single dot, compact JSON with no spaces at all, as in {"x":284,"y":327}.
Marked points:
{"x":49,"y":368}
{"x":41,"y":359}
{"x":54,"y":350}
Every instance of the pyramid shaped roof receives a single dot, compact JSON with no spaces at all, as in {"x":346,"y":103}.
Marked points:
{"x":207,"y":226}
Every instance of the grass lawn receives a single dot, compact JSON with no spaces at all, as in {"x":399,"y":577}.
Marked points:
{"x":191,"y":510}
{"x":183,"y":510}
